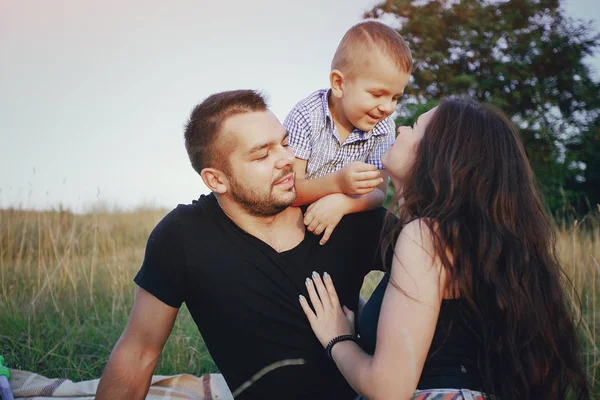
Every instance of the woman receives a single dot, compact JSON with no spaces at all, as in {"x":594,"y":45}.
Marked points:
{"x":473,"y":304}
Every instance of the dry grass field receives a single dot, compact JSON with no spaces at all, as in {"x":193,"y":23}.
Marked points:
{"x":66,"y":290}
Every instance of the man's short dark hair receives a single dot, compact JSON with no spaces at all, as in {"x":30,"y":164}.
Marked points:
{"x":204,"y":146}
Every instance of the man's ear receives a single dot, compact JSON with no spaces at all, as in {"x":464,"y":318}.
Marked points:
{"x":336,"y":80}
{"x":215,"y":180}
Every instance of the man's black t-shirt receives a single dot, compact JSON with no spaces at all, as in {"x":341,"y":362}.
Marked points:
{"x":243,"y":295}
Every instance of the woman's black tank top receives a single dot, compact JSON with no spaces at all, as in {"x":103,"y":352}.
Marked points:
{"x":452,"y":358}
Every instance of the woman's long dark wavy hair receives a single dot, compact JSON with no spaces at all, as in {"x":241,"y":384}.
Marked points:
{"x":473,"y":185}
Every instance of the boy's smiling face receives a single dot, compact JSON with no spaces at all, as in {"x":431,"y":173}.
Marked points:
{"x":369,"y":94}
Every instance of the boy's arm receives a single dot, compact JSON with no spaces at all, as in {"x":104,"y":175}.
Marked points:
{"x":356,"y":178}
{"x":297,"y":124}
{"x":129,"y":369}
{"x":370,"y":200}
{"x":323,"y":215}
{"x":310,"y":190}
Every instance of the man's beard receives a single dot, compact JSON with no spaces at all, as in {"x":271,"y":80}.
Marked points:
{"x":258,"y":204}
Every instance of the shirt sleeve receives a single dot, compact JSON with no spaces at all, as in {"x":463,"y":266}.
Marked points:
{"x":298,"y":127}
{"x":384,"y":142}
{"x":164,"y":262}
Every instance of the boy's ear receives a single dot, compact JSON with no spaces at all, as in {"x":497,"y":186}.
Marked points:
{"x":336,"y":80}
{"x":215,"y":180}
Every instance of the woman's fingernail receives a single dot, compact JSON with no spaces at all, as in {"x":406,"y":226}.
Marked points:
{"x":308,"y":281}
{"x":325,"y":275}
{"x":301,"y":298}
{"x":314,"y":274}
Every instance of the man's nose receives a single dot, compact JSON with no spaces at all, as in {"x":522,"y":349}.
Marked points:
{"x":286,"y":158}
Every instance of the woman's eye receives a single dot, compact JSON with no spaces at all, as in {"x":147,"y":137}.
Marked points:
{"x":376,"y":95}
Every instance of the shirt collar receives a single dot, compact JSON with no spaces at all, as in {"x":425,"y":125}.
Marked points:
{"x":377,"y":130}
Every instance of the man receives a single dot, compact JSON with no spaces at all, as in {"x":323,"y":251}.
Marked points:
{"x":239,"y":258}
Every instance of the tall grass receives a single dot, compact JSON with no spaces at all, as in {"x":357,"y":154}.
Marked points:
{"x":578,"y":248}
{"x":66,"y":291}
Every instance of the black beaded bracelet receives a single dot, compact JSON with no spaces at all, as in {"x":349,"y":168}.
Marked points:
{"x":338,"y":339}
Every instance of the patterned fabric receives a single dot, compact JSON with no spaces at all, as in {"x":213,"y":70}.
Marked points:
{"x":313,"y":137}
{"x":448,"y":394}
{"x":29,"y":385}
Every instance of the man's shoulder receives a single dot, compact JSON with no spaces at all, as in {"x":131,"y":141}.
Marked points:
{"x":361,"y":235}
{"x":370,"y":221}
{"x":185,"y":214}
{"x":205,"y":203}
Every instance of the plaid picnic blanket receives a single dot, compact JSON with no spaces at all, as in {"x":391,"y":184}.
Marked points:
{"x":29,"y":385}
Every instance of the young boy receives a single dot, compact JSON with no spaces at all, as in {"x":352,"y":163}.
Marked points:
{"x":338,"y":135}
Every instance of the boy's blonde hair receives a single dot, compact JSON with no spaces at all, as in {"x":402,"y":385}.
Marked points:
{"x":365,"y":37}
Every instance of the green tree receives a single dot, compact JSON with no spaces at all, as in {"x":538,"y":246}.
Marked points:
{"x":524,"y":56}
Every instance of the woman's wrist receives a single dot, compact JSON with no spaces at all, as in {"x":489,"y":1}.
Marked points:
{"x":339,"y":339}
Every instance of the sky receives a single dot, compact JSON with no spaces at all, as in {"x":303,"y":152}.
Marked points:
{"x":94,"y":95}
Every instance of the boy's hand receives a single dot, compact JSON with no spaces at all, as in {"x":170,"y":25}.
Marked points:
{"x":324,"y":214}
{"x":358,"y":178}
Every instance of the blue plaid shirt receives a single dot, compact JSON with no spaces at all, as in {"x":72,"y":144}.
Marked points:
{"x":313,"y":137}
